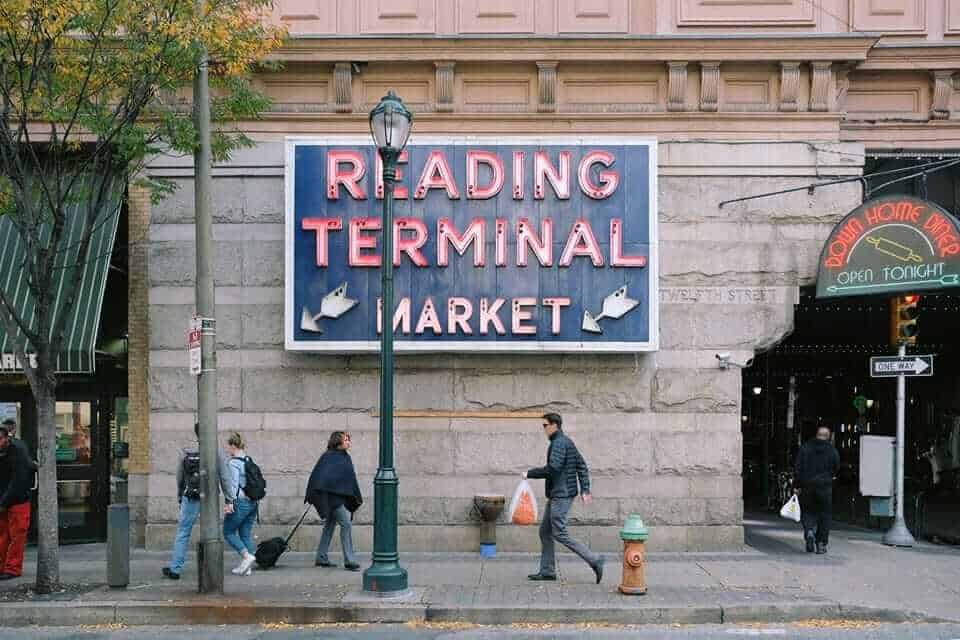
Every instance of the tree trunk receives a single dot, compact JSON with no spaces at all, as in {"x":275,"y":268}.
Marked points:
{"x":48,"y":510}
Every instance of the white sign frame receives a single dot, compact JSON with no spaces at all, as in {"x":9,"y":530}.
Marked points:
{"x":466,"y":346}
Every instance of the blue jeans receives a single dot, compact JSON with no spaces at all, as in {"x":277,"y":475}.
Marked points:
{"x":189,"y":512}
{"x":339,"y":516}
{"x":238,"y":526}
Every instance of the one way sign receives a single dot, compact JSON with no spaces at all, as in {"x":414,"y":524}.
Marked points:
{"x":892,"y":366}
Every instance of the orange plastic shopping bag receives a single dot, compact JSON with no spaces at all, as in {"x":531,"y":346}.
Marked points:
{"x":523,"y":507}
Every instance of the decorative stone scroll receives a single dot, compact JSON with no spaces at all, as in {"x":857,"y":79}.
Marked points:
{"x":343,"y":87}
{"x":789,"y":86}
{"x":547,"y":83}
{"x":445,"y":85}
{"x":709,"y":86}
{"x":942,"y":92}
{"x":820,"y":76}
{"x":677,"y":94}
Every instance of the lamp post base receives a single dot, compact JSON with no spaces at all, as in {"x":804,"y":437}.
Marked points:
{"x":387,"y":579}
{"x":898,"y":535}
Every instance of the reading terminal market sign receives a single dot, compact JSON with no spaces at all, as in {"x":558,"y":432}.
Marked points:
{"x":503,"y":244}
{"x":891,"y":245}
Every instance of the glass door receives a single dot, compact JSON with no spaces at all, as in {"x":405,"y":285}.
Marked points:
{"x":81,"y":481}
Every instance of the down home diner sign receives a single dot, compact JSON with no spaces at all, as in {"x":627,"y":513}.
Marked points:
{"x":506,"y":244}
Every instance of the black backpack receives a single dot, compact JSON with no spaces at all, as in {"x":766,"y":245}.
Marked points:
{"x":256,"y":486}
{"x":191,"y":475}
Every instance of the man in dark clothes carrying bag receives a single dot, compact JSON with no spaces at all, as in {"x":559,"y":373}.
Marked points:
{"x":817,"y":464}
{"x":567,"y":475}
{"x":334,"y":492}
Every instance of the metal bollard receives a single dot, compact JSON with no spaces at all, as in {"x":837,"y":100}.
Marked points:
{"x":634,"y":536}
{"x":118,"y":545}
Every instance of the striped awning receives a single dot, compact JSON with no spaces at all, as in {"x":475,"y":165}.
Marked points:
{"x":83,"y":319}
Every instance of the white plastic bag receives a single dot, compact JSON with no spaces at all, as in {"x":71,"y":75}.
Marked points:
{"x":791,"y":510}
{"x":523,"y":506}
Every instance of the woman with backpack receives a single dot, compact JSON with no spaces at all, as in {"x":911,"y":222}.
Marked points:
{"x":242,"y":512}
{"x":334,"y":491}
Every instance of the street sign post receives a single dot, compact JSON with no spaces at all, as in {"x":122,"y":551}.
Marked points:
{"x":893,"y":366}
{"x":900,"y":367}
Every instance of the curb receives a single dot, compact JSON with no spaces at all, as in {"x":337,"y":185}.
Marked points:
{"x":174,"y":614}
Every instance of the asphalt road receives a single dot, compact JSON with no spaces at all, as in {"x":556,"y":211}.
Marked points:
{"x":802,"y":631}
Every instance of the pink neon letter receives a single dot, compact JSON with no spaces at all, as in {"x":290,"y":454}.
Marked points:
{"x":520,"y":315}
{"x":399,"y":191}
{"x":542,"y":246}
{"x":617,"y":259}
{"x":436,"y":174}
{"x":559,"y":178}
{"x":400,"y":316}
{"x":518,"y":175}
{"x":608,"y":179}
{"x":348,"y":178}
{"x":447,"y":233}
{"x":581,"y":242}
{"x":321,"y":226}
{"x":408,"y":245}
{"x":357,"y":242}
{"x":459,"y":312}
{"x":488,"y":315}
{"x":428,"y":318}
{"x":555,"y":304}
{"x":501,"y":242}
{"x":492,"y":160}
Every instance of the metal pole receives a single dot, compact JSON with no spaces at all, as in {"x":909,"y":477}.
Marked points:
{"x":385,"y":576}
{"x":210,"y":546}
{"x":899,"y":535}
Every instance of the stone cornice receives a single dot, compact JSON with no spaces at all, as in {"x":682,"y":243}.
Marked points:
{"x":932,"y":135}
{"x":754,"y":48}
{"x":903,"y":57}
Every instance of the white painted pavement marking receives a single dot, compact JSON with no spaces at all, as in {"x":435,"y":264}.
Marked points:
{"x":757,"y":632}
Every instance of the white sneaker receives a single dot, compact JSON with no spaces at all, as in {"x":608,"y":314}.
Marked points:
{"x":237,"y":570}
{"x":246,"y":567}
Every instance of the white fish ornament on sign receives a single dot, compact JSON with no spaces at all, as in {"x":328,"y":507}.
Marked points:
{"x":334,"y":304}
{"x":615,"y":306}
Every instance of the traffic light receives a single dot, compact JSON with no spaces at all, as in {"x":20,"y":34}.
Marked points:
{"x":903,"y":319}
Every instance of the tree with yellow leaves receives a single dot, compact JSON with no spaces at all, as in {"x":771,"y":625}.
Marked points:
{"x":90,"y":90}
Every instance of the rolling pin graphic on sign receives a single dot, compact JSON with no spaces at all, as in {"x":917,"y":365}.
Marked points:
{"x":894,"y":249}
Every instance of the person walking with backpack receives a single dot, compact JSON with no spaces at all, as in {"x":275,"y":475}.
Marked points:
{"x":188,"y":497}
{"x":565,"y":470}
{"x":247,"y":487}
{"x":335,"y":493}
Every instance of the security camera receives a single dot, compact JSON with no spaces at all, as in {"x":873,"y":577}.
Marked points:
{"x":724,"y":361}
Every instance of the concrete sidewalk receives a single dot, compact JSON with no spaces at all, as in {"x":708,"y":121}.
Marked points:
{"x":771,"y":580}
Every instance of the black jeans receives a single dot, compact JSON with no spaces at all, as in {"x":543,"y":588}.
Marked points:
{"x":816,"y":510}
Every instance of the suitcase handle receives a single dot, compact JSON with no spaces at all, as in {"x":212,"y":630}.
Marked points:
{"x":297,"y":526}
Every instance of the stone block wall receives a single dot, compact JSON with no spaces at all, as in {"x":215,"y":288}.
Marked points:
{"x":660,"y":431}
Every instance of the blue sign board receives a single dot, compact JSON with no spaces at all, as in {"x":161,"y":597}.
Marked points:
{"x":506,"y":244}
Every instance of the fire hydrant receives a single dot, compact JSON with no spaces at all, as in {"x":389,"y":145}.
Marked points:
{"x":634,"y":536}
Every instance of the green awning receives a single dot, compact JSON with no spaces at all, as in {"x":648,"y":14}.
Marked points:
{"x":83,"y":320}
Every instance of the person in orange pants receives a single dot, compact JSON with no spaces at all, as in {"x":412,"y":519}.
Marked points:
{"x":14,"y":507}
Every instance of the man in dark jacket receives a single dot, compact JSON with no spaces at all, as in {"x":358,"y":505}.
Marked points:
{"x":564,"y":471}
{"x":15,"y":481}
{"x":817,"y":464}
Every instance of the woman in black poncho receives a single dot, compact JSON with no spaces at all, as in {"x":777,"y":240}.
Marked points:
{"x":333,"y":490}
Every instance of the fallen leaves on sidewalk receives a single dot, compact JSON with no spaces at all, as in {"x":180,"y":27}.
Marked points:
{"x":836,"y":624}
{"x":440,"y":626}
{"x":113,"y":626}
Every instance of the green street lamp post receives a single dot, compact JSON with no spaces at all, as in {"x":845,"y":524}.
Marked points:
{"x":390,"y":123}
